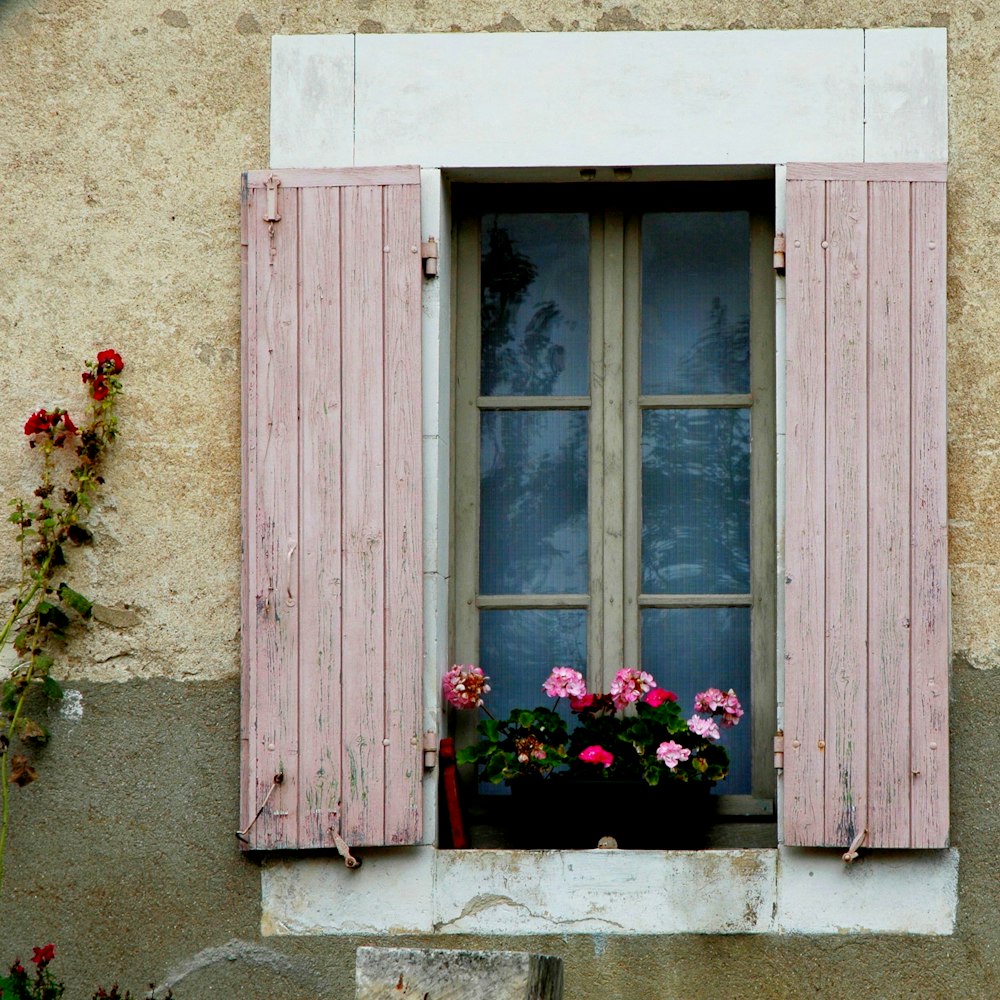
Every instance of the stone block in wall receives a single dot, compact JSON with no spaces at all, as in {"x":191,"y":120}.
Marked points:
{"x":445,"y":974}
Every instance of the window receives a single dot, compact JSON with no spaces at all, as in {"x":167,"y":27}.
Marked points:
{"x":614,"y":445}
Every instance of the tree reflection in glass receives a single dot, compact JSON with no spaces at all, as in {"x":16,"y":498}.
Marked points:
{"x":696,"y":501}
{"x":534,"y":305}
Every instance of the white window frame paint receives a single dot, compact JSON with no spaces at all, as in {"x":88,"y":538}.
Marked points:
{"x":670,"y":105}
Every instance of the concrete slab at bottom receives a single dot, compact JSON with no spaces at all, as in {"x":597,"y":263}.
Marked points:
{"x":453,"y":974}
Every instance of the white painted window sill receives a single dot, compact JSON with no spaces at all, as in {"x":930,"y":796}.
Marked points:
{"x":422,"y":890}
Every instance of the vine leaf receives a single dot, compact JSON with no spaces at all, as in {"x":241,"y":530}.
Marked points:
{"x":75,"y":600}
{"x":49,"y":614}
{"x":51,"y":687}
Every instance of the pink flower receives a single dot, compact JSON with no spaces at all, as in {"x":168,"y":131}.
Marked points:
{"x":703,"y":727}
{"x":672,"y":753}
{"x":708,"y":701}
{"x":657,"y":696}
{"x":597,"y":755}
{"x":464,"y":686}
{"x":630,"y":685}
{"x":565,"y":682}
{"x":732,"y":710}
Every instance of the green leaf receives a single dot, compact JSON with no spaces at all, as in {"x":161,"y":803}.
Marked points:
{"x":42,"y":662}
{"x":49,"y":614}
{"x":51,"y":688}
{"x":490,"y":729}
{"x":8,"y":697}
{"x":75,"y":600}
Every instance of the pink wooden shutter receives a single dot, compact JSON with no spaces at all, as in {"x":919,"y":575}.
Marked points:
{"x":866,"y":596}
{"x":332,"y":599}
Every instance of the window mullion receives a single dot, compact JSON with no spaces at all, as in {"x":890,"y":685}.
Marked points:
{"x":612,"y":467}
{"x":595,"y":496}
{"x":630,"y":487}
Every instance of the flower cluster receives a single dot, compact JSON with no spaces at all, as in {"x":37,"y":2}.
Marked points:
{"x":565,"y":682}
{"x":100,"y":374}
{"x":464,"y":686}
{"x":636,"y":731}
{"x":629,"y":686}
{"x":20,"y":985}
{"x":57,"y":426}
{"x":724,"y":703}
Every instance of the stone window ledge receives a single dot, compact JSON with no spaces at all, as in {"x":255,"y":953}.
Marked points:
{"x":422,"y":890}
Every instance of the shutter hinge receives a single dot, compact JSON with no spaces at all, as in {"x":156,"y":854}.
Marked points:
{"x":429,"y":255}
{"x":430,"y":750}
{"x":271,"y":213}
{"x":779,"y":749}
{"x":779,"y":252}
{"x":344,"y":851}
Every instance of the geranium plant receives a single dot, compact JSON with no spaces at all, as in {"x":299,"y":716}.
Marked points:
{"x":49,"y":526}
{"x":637,"y":731}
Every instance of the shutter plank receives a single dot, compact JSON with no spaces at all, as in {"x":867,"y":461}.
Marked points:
{"x":275,"y":525}
{"x":889,"y":516}
{"x":363,"y":690}
{"x":404,"y":562}
{"x":320,"y":566}
{"x":846,"y":511}
{"x":805,"y":515}
{"x":929,"y":705}
{"x":248,"y":444}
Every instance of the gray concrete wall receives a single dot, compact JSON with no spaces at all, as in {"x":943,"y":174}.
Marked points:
{"x":124,"y":854}
{"x":124,"y":126}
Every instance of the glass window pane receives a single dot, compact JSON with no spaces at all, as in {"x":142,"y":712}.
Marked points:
{"x":533,"y":502}
{"x":696,"y":501}
{"x":535,"y":306}
{"x":518,"y":650}
{"x":690,"y":649}
{"x":695,"y":302}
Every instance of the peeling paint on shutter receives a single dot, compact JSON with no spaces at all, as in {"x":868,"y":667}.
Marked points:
{"x":866,"y":595}
{"x":332,"y":594}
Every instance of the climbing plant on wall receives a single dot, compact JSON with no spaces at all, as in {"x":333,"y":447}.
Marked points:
{"x":44,"y":607}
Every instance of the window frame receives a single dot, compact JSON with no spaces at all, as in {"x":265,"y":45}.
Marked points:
{"x":613,"y":638}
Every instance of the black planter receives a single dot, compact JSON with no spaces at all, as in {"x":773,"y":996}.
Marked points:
{"x":558,"y":812}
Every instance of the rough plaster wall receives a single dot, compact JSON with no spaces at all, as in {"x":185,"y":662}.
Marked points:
{"x":123,"y":129}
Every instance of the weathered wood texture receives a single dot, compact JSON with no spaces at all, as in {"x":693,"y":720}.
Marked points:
{"x":414,"y":974}
{"x":866,"y":605}
{"x":332,"y":616}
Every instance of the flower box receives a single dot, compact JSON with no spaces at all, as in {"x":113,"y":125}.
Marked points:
{"x":564,"y":812}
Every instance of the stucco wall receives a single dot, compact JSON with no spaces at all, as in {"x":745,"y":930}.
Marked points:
{"x":123,"y":129}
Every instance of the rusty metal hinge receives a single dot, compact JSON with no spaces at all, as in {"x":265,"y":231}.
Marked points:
{"x":345,"y":852}
{"x":271,"y":186}
{"x":779,"y":749}
{"x":430,"y":750}
{"x":429,"y":255}
{"x":779,"y":252}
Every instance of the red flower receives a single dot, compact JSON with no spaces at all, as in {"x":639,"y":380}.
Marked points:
{"x":44,"y":955}
{"x":579,"y":704}
{"x":112,"y":358}
{"x":657,"y":696}
{"x":100,"y":390}
{"x":40,"y":422}
{"x":68,"y":426}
